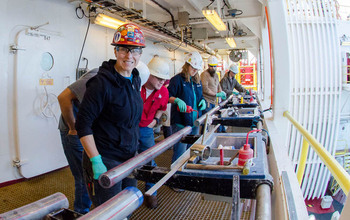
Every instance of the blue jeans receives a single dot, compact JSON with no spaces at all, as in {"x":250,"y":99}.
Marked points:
{"x":74,"y":153}
{"x":180,"y":148}
{"x":210,"y":106}
{"x":145,"y":142}
{"x":166,"y":131}
{"x":98,"y":194}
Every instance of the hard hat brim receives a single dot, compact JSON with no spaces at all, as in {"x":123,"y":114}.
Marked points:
{"x":159,"y":75}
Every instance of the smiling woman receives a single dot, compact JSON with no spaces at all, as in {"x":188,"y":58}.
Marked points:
{"x":107,"y":123}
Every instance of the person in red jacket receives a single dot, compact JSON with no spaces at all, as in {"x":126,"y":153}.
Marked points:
{"x":155,"y":99}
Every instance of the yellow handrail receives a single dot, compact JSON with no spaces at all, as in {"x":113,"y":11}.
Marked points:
{"x":302,"y":161}
{"x":338,"y":172}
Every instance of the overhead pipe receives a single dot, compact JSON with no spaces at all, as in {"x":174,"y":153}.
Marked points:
{"x":116,"y":174}
{"x":201,"y":120}
{"x":271,"y":56}
{"x":118,"y":207}
{"x":38,"y":209}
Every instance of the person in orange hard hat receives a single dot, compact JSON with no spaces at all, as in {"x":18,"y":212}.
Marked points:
{"x":109,"y":115}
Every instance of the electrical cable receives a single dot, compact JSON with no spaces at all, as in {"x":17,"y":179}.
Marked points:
{"x":237,"y":12}
{"x":82,"y":12}
{"x":225,"y":4}
{"x":212,"y":1}
{"x":82,"y":49}
{"x":269,"y":109}
{"x":167,"y":10}
{"x":266,"y":132}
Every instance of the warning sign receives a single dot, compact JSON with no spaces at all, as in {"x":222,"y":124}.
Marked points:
{"x":46,"y":82}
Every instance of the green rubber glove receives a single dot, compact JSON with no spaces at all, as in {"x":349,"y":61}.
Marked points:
{"x":247,"y":92}
{"x":97,"y":166}
{"x":202,"y":105}
{"x":181,"y":104}
{"x":235,"y":93}
{"x":221,"y":94}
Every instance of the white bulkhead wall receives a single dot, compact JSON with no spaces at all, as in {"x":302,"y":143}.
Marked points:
{"x":69,"y":32}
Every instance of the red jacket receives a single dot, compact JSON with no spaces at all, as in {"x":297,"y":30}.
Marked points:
{"x":158,"y":100}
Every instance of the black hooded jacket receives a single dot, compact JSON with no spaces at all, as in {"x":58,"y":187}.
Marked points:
{"x":111,"y":110}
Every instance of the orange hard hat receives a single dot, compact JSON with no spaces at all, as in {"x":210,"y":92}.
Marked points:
{"x":129,"y":35}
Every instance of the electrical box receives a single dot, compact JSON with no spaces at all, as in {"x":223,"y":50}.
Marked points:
{"x":199,"y":34}
{"x":183,"y":18}
{"x":247,"y":76}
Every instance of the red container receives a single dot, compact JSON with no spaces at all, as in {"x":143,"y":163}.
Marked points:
{"x":244,"y":154}
{"x":189,"y":109}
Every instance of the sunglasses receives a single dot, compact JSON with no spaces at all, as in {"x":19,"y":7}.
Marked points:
{"x":133,"y":50}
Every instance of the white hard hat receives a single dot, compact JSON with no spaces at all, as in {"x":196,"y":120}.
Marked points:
{"x":144,"y":72}
{"x":212,"y":61}
{"x":195,"y":60}
{"x":234,"y":68}
{"x":159,"y":67}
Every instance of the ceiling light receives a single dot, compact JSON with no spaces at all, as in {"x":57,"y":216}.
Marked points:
{"x":214,"y":19}
{"x":107,"y":21}
{"x":231,"y":42}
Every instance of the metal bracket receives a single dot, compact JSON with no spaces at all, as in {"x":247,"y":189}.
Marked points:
{"x":14,"y":48}
{"x":18,"y":163}
{"x":235,"y":214}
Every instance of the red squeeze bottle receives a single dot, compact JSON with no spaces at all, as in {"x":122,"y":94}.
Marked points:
{"x":245,"y":153}
{"x":189,"y":109}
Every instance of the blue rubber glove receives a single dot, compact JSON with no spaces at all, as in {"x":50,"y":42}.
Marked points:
{"x":235,"y":93}
{"x":97,"y":166}
{"x":202,"y":105}
{"x":181,"y":104}
{"x":221,"y":94}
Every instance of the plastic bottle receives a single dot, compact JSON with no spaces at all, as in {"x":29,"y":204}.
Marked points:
{"x":244,"y":154}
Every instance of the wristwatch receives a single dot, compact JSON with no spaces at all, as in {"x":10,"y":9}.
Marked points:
{"x":157,"y":120}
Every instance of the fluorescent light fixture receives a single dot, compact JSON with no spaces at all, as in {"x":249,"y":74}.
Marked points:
{"x":107,"y":21}
{"x":231,"y":42}
{"x":345,"y":43}
{"x":214,"y":19}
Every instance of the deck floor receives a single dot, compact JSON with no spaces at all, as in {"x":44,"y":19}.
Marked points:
{"x":172,"y":205}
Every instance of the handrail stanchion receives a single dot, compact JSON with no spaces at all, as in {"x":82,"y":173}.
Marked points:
{"x":302,"y":161}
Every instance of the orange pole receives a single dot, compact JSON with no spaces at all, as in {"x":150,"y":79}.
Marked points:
{"x":271,"y":62}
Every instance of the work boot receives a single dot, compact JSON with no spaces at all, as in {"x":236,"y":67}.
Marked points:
{"x":151,"y":201}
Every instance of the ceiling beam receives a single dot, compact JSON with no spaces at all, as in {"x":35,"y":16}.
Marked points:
{"x":204,"y":20}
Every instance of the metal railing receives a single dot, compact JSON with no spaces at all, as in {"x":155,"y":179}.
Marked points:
{"x":338,"y":172}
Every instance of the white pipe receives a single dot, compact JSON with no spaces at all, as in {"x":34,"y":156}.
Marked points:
{"x":17,"y":161}
{"x":38,"y":209}
{"x":118,"y":173}
{"x":118,"y":207}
